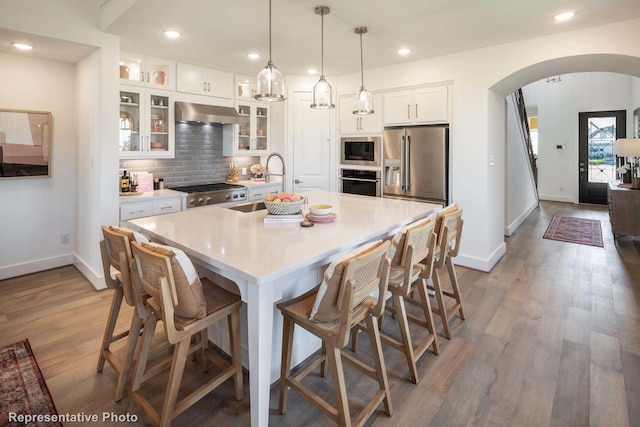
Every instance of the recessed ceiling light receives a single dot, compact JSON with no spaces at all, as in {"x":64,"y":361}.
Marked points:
{"x":172,"y":34}
{"x":22,"y":46}
{"x":564,"y":16}
{"x":404,"y":51}
{"x":253,"y":56}
{"x":312,"y":71}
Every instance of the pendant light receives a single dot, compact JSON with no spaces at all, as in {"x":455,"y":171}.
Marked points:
{"x":363,"y":101}
{"x":322,"y":97}
{"x":270,"y":81}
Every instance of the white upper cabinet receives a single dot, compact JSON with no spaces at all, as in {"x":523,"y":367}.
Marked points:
{"x":424,"y":105}
{"x":149,"y":71}
{"x":204,"y":81}
{"x":146,"y":123}
{"x":251,"y":136}
{"x":360,"y":124}
{"x":245,"y":87}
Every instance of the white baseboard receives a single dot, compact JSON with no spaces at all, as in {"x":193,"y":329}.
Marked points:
{"x":96,"y":279}
{"x":553,"y":198}
{"x":35,"y":266}
{"x":482,"y":264}
{"x":511,"y":228}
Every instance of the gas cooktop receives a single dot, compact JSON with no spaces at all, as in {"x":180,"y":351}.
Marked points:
{"x":212,"y":193}
{"x":199,"y":188}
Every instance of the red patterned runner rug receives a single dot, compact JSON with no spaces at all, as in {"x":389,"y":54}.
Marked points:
{"x":575,"y":230}
{"x":23,"y":392}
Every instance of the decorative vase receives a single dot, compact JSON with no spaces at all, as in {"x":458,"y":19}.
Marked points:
{"x":626,"y":178}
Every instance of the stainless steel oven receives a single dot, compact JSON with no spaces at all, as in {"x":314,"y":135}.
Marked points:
{"x":364,"y":182}
{"x":360,"y":150}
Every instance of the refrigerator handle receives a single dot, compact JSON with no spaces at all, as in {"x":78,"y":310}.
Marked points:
{"x":407,"y":161}
{"x":403,"y":164}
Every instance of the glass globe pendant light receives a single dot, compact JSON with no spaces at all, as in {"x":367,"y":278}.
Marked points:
{"x":270,"y":81}
{"x":363,"y":101}
{"x":322,"y":96}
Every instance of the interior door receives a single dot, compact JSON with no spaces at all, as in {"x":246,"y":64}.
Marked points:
{"x":311,"y":145}
{"x":597,"y":162}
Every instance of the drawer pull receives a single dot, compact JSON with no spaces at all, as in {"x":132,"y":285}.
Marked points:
{"x":166,"y":207}
{"x":135,"y":212}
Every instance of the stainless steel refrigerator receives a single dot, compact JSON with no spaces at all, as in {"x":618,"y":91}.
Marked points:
{"x":415,"y":163}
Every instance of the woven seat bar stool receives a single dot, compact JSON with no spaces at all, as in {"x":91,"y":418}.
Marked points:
{"x":115,"y":250}
{"x":155,"y":270}
{"x":363,"y":272}
{"x":414,"y":265}
{"x":449,"y":230}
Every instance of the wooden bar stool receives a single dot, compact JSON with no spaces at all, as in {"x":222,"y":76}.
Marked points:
{"x":412,"y":259}
{"x":330,"y":312}
{"x":115,"y":250}
{"x":187,"y":307}
{"x":449,"y":230}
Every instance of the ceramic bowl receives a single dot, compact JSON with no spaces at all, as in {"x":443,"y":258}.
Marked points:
{"x":320,"y":210}
{"x":156,"y":145}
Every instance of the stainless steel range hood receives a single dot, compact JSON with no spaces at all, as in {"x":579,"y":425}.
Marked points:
{"x":190,"y":112}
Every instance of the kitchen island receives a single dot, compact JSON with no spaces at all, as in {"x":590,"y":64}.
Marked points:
{"x":270,"y":262}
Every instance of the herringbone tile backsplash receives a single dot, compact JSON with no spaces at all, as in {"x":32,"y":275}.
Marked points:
{"x":198,"y":158}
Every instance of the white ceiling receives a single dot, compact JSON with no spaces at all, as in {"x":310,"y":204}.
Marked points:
{"x":221,"y":33}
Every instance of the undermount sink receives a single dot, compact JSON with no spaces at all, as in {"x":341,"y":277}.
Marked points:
{"x":249,"y":207}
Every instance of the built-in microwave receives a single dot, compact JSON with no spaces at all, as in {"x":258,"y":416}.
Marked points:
{"x":360,"y":150}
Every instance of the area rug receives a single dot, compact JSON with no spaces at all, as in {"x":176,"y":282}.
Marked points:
{"x":24,"y":396}
{"x":575,"y":230}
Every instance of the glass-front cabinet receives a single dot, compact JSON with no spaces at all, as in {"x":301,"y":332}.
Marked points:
{"x":245,"y":87}
{"x":141,"y":70}
{"x":146,"y":124}
{"x":251,"y":136}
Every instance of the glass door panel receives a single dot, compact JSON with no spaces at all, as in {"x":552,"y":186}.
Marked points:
{"x":129,"y":137}
{"x":244,"y":128}
{"x":262,"y":130}
{"x":159,"y":123}
{"x":602,"y":133}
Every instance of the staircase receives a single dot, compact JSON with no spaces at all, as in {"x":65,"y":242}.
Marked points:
{"x":526,"y":133}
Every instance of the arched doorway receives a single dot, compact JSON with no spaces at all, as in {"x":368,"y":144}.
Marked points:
{"x":590,"y":64}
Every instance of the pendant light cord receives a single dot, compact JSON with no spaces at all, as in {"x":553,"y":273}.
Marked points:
{"x":361,"y":62}
{"x":269,"y":31}
{"x":321,"y":43}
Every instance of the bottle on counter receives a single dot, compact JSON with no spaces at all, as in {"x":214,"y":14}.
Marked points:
{"x":160,"y":183}
{"x":124,"y":183}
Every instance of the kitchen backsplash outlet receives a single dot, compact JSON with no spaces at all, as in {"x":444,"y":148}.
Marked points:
{"x":198,"y":158}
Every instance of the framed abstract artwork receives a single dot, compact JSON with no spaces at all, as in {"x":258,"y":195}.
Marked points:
{"x":25,"y":144}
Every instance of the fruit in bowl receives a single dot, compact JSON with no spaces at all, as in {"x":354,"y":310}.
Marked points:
{"x":320,"y":210}
{"x":283,"y":203}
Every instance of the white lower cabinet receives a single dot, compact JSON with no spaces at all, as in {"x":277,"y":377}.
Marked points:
{"x":135,"y":210}
{"x":259,"y":193}
{"x":141,"y":209}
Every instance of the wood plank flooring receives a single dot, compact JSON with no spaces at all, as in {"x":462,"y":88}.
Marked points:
{"x":552,"y":338}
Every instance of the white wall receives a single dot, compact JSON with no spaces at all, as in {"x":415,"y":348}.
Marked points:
{"x":36,"y":211}
{"x":521,"y":197}
{"x":558,"y":107}
{"x":480,"y":78}
{"x":91,"y":106}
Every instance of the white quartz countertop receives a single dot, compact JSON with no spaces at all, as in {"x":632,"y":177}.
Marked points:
{"x":252,"y":183}
{"x":241,"y":243}
{"x":153,"y":195}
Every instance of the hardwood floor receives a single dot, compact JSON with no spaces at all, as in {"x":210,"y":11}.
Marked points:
{"x":552,"y":337}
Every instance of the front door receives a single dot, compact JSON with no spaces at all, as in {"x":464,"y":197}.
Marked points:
{"x":311,"y":145}
{"x":597,"y":162}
